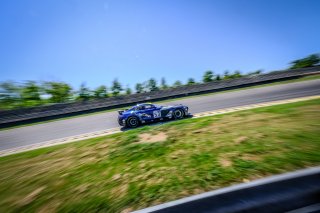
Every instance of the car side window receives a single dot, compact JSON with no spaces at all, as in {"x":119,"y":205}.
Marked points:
{"x":149,"y":106}
{"x":141,"y":108}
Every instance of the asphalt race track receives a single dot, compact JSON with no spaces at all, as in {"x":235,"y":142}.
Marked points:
{"x":28,"y":135}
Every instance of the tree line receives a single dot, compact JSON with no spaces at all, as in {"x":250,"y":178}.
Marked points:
{"x":32,"y":93}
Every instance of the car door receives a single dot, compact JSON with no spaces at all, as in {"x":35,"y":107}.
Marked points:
{"x":151,"y":111}
{"x":156,"y":113}
{"x":144,"y":113}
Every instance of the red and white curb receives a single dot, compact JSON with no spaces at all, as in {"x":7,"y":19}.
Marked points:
{"x":117,"y":129}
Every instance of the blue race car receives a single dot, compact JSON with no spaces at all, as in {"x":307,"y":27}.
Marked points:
{"x":145,"y":113}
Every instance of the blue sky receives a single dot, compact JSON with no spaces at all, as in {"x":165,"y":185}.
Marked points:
{"x":96,"y":41}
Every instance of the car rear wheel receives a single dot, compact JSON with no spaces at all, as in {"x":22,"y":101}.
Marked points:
{"x":178,"y":114}
{"x":132,"y":122}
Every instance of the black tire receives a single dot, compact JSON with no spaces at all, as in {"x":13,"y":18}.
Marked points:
{"x":132,"y":122}
{"x":178,"y":114}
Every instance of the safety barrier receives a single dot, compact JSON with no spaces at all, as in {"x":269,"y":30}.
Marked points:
{"x":292,"y":192}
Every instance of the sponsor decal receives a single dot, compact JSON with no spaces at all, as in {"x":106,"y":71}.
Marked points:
{"x":156,"y":114}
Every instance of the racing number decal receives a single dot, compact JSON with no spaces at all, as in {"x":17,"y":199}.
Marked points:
{"x":156,"y":114}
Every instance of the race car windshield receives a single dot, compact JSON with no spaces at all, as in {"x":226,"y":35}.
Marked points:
{"x":133,"y":108}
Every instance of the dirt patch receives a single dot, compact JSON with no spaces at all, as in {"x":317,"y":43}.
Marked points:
{"x":225,"y":159}
{"x":127,"y":210}
{"x":314,"y":108}
{"x":250,"y":157}
{"x":103,"y":145}
{"x":41,"y":166}
{"x":88,"y":160}
{"x":198,"y":131}
{"x":116,"y":177}
{"x":148,"y":138}
{"x":120,"y":191}
{"x":49,"y":207}
{"x":224,"y":162}
{"x":82,"y":188}
{"x":143,"y":176}
{"x":244,"y":180}
{"x":154,"y":181}
{"x":198,"y":191}
{"x":179,"y":153}
{"x":86,"y":153}
{"x":261,"y":135}
{"x":31,"y":197}
{"x":240,"y":139}
{"x":252,"y":121}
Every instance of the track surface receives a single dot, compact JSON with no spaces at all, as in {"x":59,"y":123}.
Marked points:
{"x":28,"y":135}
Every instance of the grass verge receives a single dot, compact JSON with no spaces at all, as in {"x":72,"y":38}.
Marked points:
{"x":306,"y":78}
{"x":155,"y":164}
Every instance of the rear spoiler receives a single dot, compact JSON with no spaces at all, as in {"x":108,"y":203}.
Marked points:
{"x":121,"y":111}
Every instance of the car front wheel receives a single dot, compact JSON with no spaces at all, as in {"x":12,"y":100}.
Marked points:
{"x":178,"y":114}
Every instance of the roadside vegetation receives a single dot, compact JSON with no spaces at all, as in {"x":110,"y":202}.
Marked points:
{"x":154,"y":164}
{"x":15,"y":95}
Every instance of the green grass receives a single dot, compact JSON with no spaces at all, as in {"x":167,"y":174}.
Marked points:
{"x":307,"y":78}
{"x":124,"y":171}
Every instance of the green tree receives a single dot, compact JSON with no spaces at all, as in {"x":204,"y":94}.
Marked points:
{"x":208,"y":76}
{"x":152,"y":85}
{"x":257,"y":72}
{"x":59,"y":92}
{"x":84,"y":92}
{"x":128,"y":90}
{"x":191,"y":81}
{"x":116,"y":87}
{"x":218,"y":77}
{"x":236,"y":74}
{"x":30,"y":94}
{"x":177,"y":84}
{"x":226,"y":75}
{"x":145,"y":86}
{"x":310,"y":61}
{"x":9,"y":95}
{"x":163,"y":83}
{"x":139,"y":88}
{"x":101,"y":92}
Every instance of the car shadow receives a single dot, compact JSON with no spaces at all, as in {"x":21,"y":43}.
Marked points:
{"x":156,"y":123}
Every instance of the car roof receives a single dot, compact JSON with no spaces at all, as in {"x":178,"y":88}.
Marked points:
{"x":144,"y":104}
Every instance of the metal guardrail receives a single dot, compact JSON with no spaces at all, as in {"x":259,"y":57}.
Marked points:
{"x":296,"y":191}
{"x":29,"y":114}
